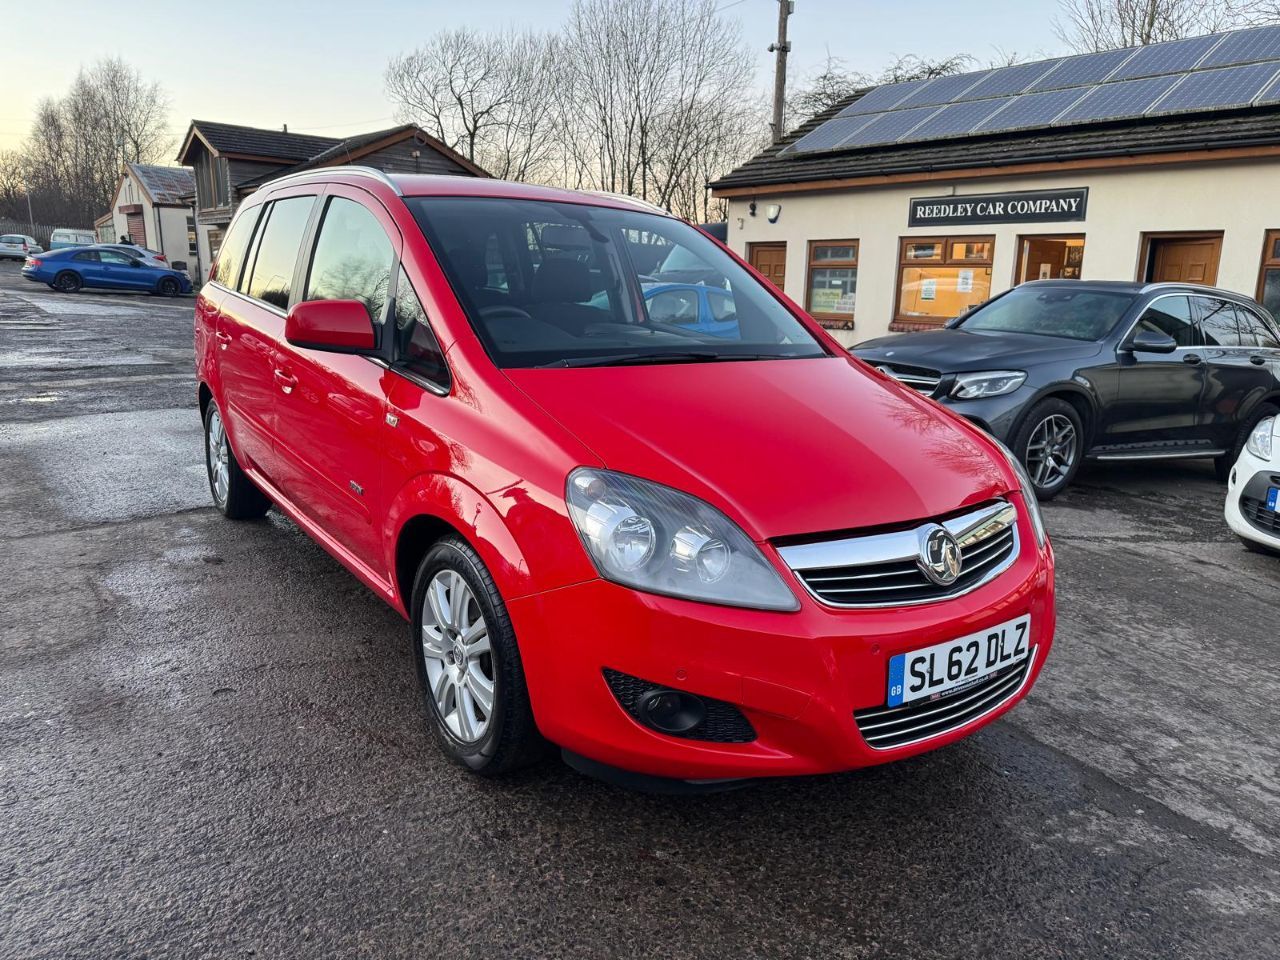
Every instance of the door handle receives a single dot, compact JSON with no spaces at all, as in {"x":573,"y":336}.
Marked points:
{"x":224,"y":339}
{"x":286,"y":382}
{"x":1191,"y":358}
{"x":1257,"y":361}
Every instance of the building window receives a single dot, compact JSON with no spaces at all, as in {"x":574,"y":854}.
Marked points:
{"x":193,"y":240}
{"x":832,"y":282}
{"x":1269,"y":277}
{"x":1058,"y":257}
{"x":941,"y":277}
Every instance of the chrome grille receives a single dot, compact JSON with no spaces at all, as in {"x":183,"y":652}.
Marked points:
{"x":886,"y":727}
{"x":917,"y":378}
{"x":885,"y":569}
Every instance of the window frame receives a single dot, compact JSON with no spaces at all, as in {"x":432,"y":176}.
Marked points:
{"x":1270,"y":240}
{"x":302,"y":258}
{"x":946,"y":260}
{"x":843,"y":321}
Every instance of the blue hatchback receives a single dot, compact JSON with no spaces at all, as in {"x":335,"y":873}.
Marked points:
{"x":101,"y":266}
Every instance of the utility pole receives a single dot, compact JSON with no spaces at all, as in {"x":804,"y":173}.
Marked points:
{"x":780,"y":49}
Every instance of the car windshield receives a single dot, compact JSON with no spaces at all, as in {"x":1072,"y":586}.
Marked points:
{"x":1074,"y":314}
{"x":566,"y":284}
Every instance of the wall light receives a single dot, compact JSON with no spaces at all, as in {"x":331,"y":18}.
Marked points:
{"x":773,"y":211}
{"x":751,"y":209}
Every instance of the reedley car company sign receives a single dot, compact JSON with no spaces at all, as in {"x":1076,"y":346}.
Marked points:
{"x":1031,"y":206}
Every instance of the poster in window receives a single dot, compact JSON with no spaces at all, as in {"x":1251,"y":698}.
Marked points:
{"x":825,"y":301}
{"x":928,"y":289}
{"x":964,"y":282}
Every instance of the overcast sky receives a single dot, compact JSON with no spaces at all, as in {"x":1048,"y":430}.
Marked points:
{"x":317,"y":65}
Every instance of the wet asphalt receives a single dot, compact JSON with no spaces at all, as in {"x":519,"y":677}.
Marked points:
{"x":211,"y":743}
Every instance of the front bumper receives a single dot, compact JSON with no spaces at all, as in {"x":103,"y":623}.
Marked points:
{"x":798,"y":677}
{"x":998,"y":416}
{"x":1250,"y":478}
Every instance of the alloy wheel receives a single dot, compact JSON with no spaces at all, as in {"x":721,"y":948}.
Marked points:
{"x":1051,"y":450}
{"x":219,"y":455}
{"x":458,"y":657}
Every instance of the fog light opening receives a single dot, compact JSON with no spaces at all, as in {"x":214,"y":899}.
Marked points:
{"x":671,"y":711}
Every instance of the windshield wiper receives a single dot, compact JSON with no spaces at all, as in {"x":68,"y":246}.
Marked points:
{"x":681,"y":356}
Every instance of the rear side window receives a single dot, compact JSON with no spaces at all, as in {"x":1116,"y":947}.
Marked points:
{"x":1254,"y":330}
{"x":353,"y":258}
{"x":417,"y":348}
{"x":1171,"y":315}
{"x":278,"y":250}
{"x":1217,"y":322}
{"x":231,"y":256}
{"x":90,"y":256}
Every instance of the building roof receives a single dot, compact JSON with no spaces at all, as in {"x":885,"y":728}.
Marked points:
{"x":165,"y":185}
{"x":353,"y":148}
{"x":1190,"y":96}
{"x":1166,"y":134}
{"x":233,"y":139}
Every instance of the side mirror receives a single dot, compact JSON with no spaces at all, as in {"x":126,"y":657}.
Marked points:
{"x":1151,"y":341}
{"x":336,"y":326}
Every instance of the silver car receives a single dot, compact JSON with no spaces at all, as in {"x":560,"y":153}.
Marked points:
{"x":18,"y":246}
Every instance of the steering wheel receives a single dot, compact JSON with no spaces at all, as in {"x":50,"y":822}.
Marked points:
{"x":503,"y":311}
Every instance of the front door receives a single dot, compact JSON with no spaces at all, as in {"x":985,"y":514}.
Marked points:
{"x":120,"y":271}
{"x":1158,"y":395}
{"x":1184,"y":259}
{"x":771,"y":260}
{"x":331,"y":412}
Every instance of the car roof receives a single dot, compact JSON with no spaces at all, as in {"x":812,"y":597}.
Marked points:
{"x":440,"y":185}
{"x":1135,"y":287}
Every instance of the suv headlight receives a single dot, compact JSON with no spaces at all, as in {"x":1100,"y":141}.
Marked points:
{"x":1028,"y":491}
{"x":988,"y":383}
{"x":1260,"y":440}
{"x":650,"y":537}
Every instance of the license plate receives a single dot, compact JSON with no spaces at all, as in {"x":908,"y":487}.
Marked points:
{"x":1273,"y":494}
{"x":947,"y":666}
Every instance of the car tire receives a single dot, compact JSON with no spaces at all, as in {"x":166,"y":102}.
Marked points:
{"x":168,"y":287}
{"x":1222,"y":465}
{"x":234,"y":494}
{"x":1050,"y":444}
{"x":453,"y":595}
{"x":67,"y":282}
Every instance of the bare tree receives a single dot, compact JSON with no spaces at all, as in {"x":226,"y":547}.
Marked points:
{"x":1091,"y":25}
{"x":71,"y":160}
{"x":484,"y":95}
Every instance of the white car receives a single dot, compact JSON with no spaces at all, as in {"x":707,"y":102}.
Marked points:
{"x":17,"y":246}
{"x":1253,"y":489}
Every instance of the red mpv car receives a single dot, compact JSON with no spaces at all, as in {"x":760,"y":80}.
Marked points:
{"x":677,"y":556}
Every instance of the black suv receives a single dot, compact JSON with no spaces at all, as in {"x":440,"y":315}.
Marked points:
{"x":1061,"y":370}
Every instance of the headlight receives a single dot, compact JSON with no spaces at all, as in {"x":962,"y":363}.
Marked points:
{"x":1259,"y":442}
{"x":988,"y":383}
{"x":650,"y":537}
{"x":1028,"y":494}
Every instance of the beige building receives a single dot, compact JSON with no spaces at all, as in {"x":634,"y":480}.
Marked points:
{"x":151,"y":209}
{"x":872,"y":236}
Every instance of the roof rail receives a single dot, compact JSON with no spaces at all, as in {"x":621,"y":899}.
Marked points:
{"x":627,"y":197}
{"x":349,"y":170}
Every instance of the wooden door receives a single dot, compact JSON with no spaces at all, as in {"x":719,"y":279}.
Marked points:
{"x":137,"y":228}
{"x":1185,"y":260}
{"x":771,"y":260}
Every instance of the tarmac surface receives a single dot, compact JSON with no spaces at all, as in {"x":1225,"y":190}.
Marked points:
{"x":212,"y":745}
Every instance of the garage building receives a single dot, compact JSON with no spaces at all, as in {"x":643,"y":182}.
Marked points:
{"x":902,"y":205}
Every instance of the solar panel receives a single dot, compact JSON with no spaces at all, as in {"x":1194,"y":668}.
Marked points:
{"x":1009,"y":80}
{"x":1228,"y":87}
{"x":883,"y":98}
{"x":831,"y":133}
{"x":1246,"y":46}
{"x":1031,"y":110}
{"x":1129,"y":98}
{"x":943,"y":89}
{"x":956,"y":118}
{"x":1082,"y":70}
{"x":1171,"y":57}
{"x":889,"y":127}
{"x":1271,"y":94}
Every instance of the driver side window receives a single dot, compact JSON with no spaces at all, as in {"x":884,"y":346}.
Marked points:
{"x":1172,"y":316}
